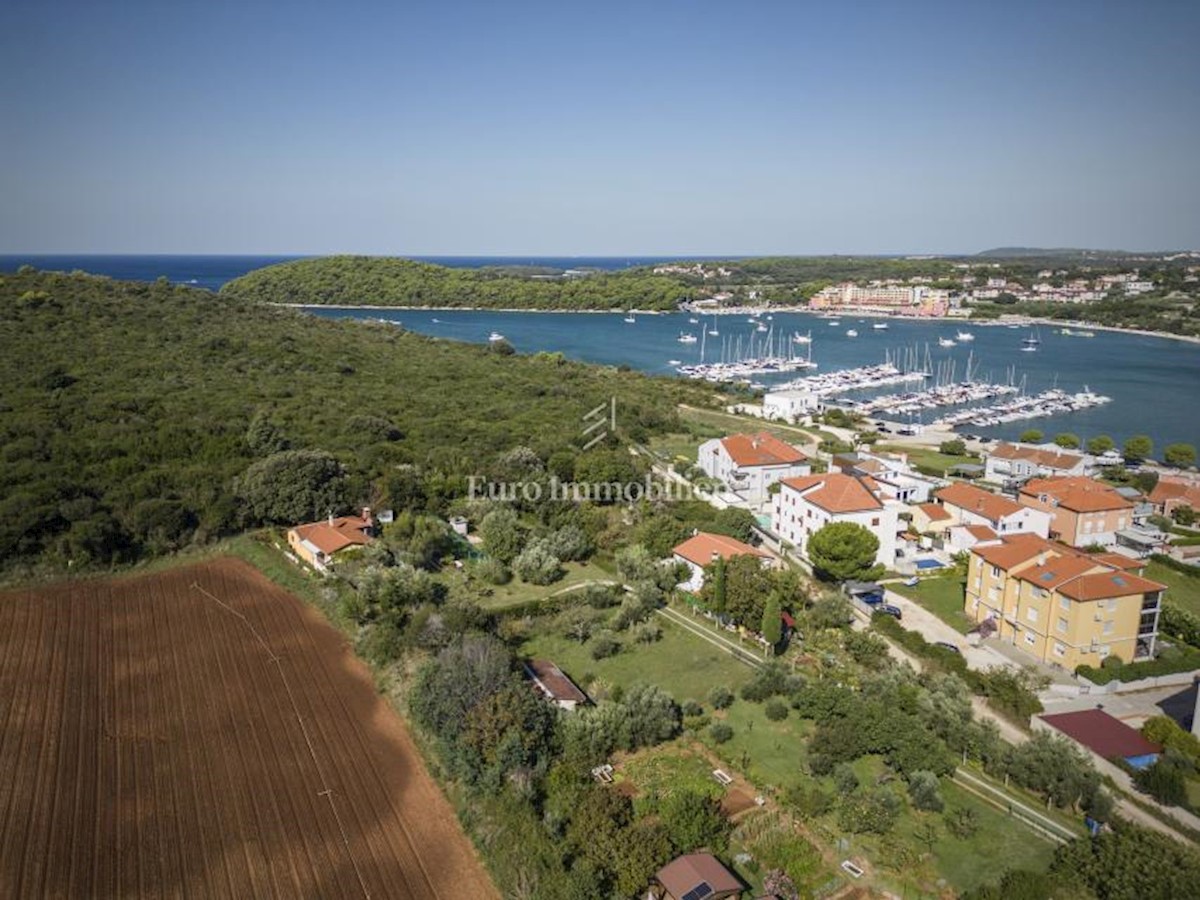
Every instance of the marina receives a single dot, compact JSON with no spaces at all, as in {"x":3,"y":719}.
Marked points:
{"x":1047,"y":403}
{"x":1144,"y":375}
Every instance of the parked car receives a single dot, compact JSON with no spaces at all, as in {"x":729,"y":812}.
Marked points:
{"x":912,"y":582}
{"x":946,"y":645}
{"x":888,"y":610}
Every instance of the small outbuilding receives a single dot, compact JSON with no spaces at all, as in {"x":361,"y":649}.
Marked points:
{"x":696,"y":876}
{"x":554,"y":684}
{"x":1106,"y":736}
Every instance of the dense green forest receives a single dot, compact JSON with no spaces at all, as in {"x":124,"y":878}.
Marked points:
{"x":137,"y":418}
{"x":386,"y":281}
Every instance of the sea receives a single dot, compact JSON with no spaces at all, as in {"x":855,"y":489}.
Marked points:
{"x":1154,"y":382}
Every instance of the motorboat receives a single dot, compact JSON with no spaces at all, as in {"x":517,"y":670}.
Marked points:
{"x":964,"y":336}
{"x":693,"y":321}
{"x":799,"y":338}
{"x":834,"y":322}
{"x":495,"y":336}
{"x":686,"y":338}
{"x":674,"y":362}
{"x":946,"y":342}
{"x":850,"y":332}
{"x":761,"y":327}
{"x":880,"y":326}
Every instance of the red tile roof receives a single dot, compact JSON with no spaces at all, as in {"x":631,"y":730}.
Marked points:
{"x":1101,"y":733}
{"x":761,"y":449}
{"x":701,"y":547}
{"x":331,"y":536}
{"x":991,"y":506}
{"x":1174,"y":489}
{"x":1103,"y":585}
{"x":1051,"y":459}
{"x":1077,"y":493}
{"x":1058,"y":570}
{"x":554,"y":681}
{"x":687,"y":872}
{"x":981,"y":532}
{"x":837,"y":492}
{"x":935,"y":511}
{"x":1016,"y":549}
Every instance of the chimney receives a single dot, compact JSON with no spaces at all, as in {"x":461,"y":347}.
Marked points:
{"x":366,"y":516}
{"x":331,"y":518}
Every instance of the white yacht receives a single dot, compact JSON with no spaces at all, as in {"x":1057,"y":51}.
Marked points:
{"x":850,"y":332}
{"x":965,"y":336}
{"x":946,"y":342}
{"x":880,"y":326}
{"x":798,"y":338}
{"x":495,"y":336}
{"x":630,"y":319}
{"x":686,"y":338}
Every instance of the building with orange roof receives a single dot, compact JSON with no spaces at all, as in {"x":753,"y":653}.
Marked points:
{"x":1082,"y":511}
{"x":1016,"y":462}
{"x":1172,"y":491}
{"x":930,"y":518}
{"x":748,"y":464}
{"x":1061,"y":605}
{"x":318,"y":542}
{"x":807,"y":504}
{"x":971,"y":505}
{"x":703,"y":549}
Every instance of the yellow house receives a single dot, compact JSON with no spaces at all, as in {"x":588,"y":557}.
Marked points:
{"x":317,"y":542}
{"x":1063,"y":606}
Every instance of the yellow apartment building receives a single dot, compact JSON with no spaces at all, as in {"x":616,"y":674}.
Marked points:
{"x":1062,"y":606}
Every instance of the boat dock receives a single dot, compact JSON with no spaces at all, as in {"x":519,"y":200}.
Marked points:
{"x":1047,"y":403}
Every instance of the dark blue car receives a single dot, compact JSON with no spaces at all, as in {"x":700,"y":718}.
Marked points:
{"x":888,"y":610}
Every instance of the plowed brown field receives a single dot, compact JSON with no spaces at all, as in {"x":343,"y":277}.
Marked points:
{"x":202,"y":733}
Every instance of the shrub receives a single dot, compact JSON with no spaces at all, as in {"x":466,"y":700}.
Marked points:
{"x":776,"y":710}
{"x":489,"y":570}
{"x":720,"y":697}
{"x":647,"y":633}
{"x":537,"y":564}
{"x":604,"y":645}
{"x":925,"y":791}
{"x":720,"y":732}
{"x":844,"y":778}
{"x":873,"y":812}
{"x":692,"y":708}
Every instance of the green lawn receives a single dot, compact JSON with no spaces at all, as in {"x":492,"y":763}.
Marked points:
{"x":921,"y":456}
{"x":727,"y":423}
{"x":942,"y":596}
{"x":518,"y":591}
{"x":770,"y":754}
{"x":1182,"y":590}
{"x":681,"y":663}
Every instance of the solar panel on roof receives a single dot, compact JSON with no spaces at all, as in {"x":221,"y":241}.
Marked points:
{"x":1119,"y":581}
{"x":1046,"y":576}
{"x":703,"y":889}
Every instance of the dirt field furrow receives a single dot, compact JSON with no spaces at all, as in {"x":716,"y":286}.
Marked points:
{"x":201,"y":733}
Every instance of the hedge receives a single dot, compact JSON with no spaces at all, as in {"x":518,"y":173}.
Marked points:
{"x":1171,"y":662}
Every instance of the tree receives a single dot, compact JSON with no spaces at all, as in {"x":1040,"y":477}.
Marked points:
{"x":1130,"y":863}
{"x":263,"y":437}
{"x":449,"y":686}
{"x":693,"y":821}
{"x":1184,"y":515}
{"x":872,"y":812}
{"x":925,"y":791}
{"x":1179,"y":456}
{"x":953,"y":447}
{"x":502,"y":535}
{"x":1031,"y":436}
{"x":745,"y":583}
{"x":570,"y":543}
{"x":293,"y":486}
{"x":1067,"y":441}
{"x":420,"y":540}
{"x":772,"y":621}
{"x":536,"y":564}
{"x":720,"y":591}
{"x":841,"y":551}
{"x":1138,"y":448}
{"x":1100,"y":444}
{"x":1164,"y":781}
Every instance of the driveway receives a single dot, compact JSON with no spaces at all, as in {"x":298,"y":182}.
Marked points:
{"x":917,"y":618}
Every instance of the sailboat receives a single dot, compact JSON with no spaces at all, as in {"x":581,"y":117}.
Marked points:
{"x":761,"y":327}
{"x":798,"y":338}
{"x":1031,"y":342}
{"x":629,"y":318}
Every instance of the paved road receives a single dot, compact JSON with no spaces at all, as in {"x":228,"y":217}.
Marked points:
{"x":917,"y":618}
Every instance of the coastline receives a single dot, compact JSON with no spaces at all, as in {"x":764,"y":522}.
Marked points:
{"x":746,"y":310}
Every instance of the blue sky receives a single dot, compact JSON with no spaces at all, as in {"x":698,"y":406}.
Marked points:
{"x":599,"y":128}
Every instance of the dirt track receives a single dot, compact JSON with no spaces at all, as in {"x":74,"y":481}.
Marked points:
{"x":201,"y":732}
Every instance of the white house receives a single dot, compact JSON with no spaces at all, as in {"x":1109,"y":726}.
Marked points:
{"x":789,"y":406}
{"x":1016,"y":462}
{"x":969,"y":505}
{"x":703,"y":548}
{"x":749,"y":464}
{"x":893,"y":474}
{"x":807,"y":504}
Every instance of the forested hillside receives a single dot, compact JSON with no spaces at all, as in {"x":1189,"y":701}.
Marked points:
{"x":135,"y":418}
{"x":388,"y":281}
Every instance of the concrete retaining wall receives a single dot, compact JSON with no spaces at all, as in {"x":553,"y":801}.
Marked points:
{"x":1179,"y":679}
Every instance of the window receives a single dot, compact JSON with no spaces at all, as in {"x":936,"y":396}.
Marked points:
{"x":995,"y":571}
{"x":1059,"y":649}
{"x":875,"y":522}
{"x":1108,"y":627}
{"x":1062,"y":624}
{"x":1029,"y":638}
{"x":1064,"y":604}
